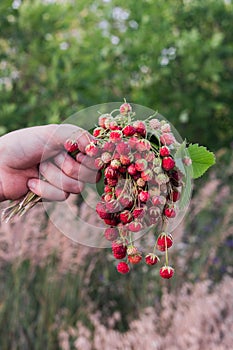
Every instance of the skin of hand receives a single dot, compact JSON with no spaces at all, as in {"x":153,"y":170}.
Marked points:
{"x":28,"y":153}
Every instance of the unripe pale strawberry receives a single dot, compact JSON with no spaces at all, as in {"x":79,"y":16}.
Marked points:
{"x":161,"y":179}
{"x":106,"y":157}
{"x":143,"y":145}
{"x":131,"y":250}
{"x":115,"y":164}
{"x":141,"y":182}
{"x":126,"y":159}
{"x":123,"y":267}
{"x":123,"y":148}
{"x":168,"y":163}
{"x":158,"y":200}
{"x":108,"y":197}
{"x":165,"y":128}
{"x":102,"y":119}
{"x":125,"y":108}
{"x":149,"y":156}
{"x":154,"y":212}
{"x":129,"y":130}
{"x":141,"y":164}
{"x":111,"y":233}
{"x":166,"y":272}
{"x":187,"y":161}
{"x":147,"y":175}
{"x":167,"y":139}
{"x":164,"y":151}
{"x":164,"y":240}
{"x":154,"y":123}
{"x":99,"y":164}
{"x":109,"y":147}
{"x":133,"y":142}
{"x":107,"y":122}
{"x":151,"y":259}
{"x":71,"y":145}
{"x":113,"y":125}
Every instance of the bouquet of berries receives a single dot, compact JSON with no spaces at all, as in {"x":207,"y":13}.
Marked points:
{"x":146,"y":182}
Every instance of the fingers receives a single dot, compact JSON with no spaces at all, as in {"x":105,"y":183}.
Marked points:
{"x":59,"y":179}
{"x":46,"y":190}
{"x":68,"y":131}
{"x":76,"y":170}
{"x":87,"y":161}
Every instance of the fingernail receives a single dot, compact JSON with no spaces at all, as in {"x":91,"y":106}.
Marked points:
{"x":32,"y":184}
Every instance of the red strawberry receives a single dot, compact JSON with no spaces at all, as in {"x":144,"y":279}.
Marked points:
{"x":111,"y":233}
{"x":164,"y":240}
{"x":110,"y":173}
{"x":97,"y":132}
{"x":140,"y":127}
{"x":119,"y":250}
{"x":108,"y":197}
{"x":102,"y":211}
{"x":126,"y":160}
{"x":151,"y":259}
{"x":129,"y":130}
{"x":175,"y":195}
{"x":166,"y":272}
{"x":71,"y":145}
{"x":107,"y":189}
{"x":138,"y":212}
{"x":144,"y":196}
{"x":111,"y":182}
{"x":169,"y":212}
{"x":113,"y":125}
{"x":92,"y":150}
{"x":126,"y":201}
{"x":111,"y":221}
{"x":123,"y":267}
{"x":115,"y":136}
{"x":135,"y":258}
{"x":141,"y":164}
{"x":125,"y":108}
{"x":168,"y":163}
{"x":126,"y":216}
{"x":135,"y":226}
{"x":132,"y":169}
{"x":164,"y":151}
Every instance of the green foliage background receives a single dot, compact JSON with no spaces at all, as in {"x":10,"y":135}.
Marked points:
{"x":57,"y":57}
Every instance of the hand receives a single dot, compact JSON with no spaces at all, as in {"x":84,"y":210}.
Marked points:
{"x":21,"y":166}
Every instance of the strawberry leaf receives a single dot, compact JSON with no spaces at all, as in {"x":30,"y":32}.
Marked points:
{"x":202,"y":159}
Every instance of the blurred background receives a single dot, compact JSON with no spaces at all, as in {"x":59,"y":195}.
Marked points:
{"x":176,"y":56}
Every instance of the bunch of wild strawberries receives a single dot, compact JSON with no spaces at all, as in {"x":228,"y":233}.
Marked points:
{"x":142,"y":183}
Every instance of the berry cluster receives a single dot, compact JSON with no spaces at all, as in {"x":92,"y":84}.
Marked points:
{"x":142,"y":184}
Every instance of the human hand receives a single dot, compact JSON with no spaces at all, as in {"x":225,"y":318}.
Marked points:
{"x":21,"y":166}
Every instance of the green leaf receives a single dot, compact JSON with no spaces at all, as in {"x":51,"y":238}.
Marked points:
{"x":100,"y":184}
{"x":202,"y":159}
